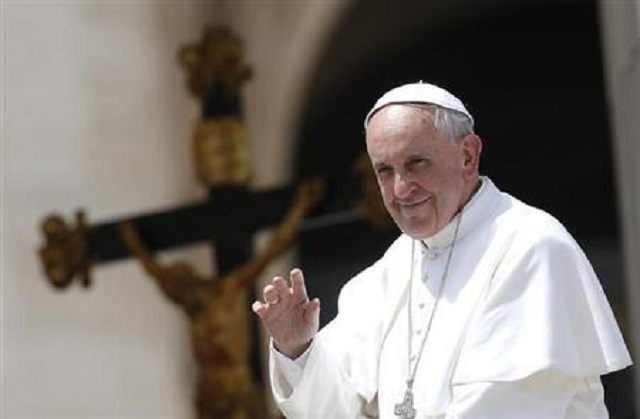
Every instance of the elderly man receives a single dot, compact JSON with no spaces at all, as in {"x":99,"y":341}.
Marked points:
{"x":484,"y":307}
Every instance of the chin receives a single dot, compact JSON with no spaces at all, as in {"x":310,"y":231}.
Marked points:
{"x":418,"y":231}
{"x":421,"y":235}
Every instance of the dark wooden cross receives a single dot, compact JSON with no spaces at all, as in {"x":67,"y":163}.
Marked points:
{"x":227,"y":219}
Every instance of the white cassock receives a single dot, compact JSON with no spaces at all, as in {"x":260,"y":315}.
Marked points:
{"x":522,"y":328}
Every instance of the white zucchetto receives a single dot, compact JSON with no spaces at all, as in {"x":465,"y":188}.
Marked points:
{"x":419,"y":93}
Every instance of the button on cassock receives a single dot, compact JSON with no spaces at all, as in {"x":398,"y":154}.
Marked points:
{"x":432,"y":254}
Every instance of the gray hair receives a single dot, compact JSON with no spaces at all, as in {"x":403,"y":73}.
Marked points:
{"x":449,"y":123}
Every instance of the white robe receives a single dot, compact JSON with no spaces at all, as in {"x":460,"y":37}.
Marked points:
{"x":522,"y":329}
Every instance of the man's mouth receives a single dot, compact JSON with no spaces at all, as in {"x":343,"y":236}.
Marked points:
{"x":414,"y":203}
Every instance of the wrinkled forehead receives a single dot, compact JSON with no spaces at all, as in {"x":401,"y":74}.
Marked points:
{"x":404,"y":117}
{"x":400,"y":129}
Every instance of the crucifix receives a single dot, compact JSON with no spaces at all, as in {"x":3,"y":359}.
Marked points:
{"x":405,"y":410}
{"x":217,"y":307}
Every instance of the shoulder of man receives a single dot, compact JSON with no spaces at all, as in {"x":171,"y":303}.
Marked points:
{"x":534,"y":225}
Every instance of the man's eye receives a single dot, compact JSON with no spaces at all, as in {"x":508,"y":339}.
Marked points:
{"x":416,"y":164}
{"x":383,"y":171}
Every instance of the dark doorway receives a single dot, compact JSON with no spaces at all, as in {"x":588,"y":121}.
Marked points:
{"x":530,"y":72}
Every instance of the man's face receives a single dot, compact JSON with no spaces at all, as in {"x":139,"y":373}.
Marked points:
{"x":420,"y":173}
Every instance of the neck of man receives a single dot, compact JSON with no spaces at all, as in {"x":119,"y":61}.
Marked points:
{"x":471,"y":190}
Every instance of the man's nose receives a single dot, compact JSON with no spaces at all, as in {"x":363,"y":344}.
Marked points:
{"x":402,"y":185}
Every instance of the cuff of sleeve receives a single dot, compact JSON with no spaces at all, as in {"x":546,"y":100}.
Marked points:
{"x":291,"y":369}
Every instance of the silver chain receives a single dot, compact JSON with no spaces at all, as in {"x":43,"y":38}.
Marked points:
{"x":412,"y":374}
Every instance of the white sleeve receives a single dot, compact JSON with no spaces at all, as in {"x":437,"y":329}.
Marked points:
{"x":338,"y":376}
{"x":546,"y":394}
{"x":323,"y":389}
{"x":289,"y":369}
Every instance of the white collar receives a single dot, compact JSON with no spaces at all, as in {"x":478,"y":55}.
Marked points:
{"x":473,"y":213}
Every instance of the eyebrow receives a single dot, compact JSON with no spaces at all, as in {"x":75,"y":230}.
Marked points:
{"x":379,"y":165}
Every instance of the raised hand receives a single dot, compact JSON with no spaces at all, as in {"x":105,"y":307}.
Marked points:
{"x":288,"y":315}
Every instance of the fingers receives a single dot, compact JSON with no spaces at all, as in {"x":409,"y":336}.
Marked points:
{"x":312,"y":310}
{"x":259,"y":308}
{"x":277,"y":293}
{"x":278,"y":296}
{"x":282,"y":289}
{"x":287,"y":315}
{"x":298,"y":287}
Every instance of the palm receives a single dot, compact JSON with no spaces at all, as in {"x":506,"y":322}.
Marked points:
{"x":293,"y":326}
{"x":291,"y":319}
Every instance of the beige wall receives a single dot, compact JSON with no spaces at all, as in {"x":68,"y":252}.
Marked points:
{"x":96,"y":116}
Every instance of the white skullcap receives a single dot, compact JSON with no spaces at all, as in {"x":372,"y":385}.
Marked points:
{"x":419,"y":93}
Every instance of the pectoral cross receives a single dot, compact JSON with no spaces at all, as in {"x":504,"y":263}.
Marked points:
{"x":405,"y":409}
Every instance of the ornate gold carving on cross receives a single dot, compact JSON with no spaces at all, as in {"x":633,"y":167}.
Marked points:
{"x":215,"y":73}
{"x":64,"y":254}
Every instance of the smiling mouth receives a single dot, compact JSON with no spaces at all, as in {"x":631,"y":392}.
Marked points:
{"x":414,"y":203}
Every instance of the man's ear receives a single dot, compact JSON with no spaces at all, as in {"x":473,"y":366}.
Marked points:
{"x":471,"y":150}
